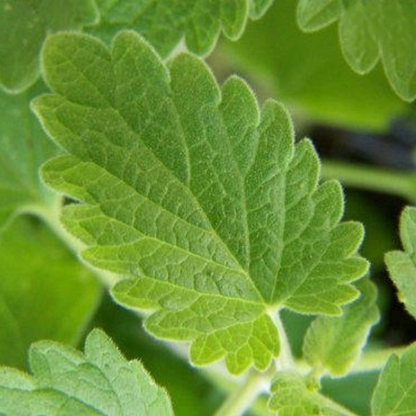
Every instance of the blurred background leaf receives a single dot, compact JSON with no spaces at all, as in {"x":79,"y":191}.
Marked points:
{"x":23,"y":148}
{"x":24,"y":25}
{"x":45,"y":293}
{"x":309,"y":74}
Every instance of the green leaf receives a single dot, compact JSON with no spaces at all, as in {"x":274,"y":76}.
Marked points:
{"x":292,"y":397}
{"x":335,"y":343}
{"x":24,"y":24}
{"x":65,"y":381}
{"x":395,"y":393}
{"x":166,"y":24}
{"x":44,"y":291}
{"x":344,"y":390}
{"x":191,"y":392}
{"x":274,"y":52}
{"x":24,"y":147}
{"x":207,"y":206}
{"x":402,"y":264}
{"x":370,"y":31}
{"x":257,"y":8}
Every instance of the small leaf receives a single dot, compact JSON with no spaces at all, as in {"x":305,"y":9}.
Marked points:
{"x":318,"y":14}
{"x":334,"y":343}
{"x":292,"y":397}
{"x":402,"y":264}
{"x":24,"y":24}
{"x":395,"y":393}
{"x":370,"y":31}
{"x":206,"y":205}
{"x":24,"y":147}
{"x":48,"y":275}
{"x":196,"y":22}
{"x":65,"y":381}
{"x":258,"y":8}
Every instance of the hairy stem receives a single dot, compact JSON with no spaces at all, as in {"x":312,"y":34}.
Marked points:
{"x":372,"y":179}
{"x":242,"y":397}
{"x":285,"y":360}
{"x":376,"y":359}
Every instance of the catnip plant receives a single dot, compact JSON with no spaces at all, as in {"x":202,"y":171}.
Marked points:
{"x":133,"y":173}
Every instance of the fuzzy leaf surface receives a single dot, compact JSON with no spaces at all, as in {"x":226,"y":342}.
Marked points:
{"x":206,"y":205}
{"x":24,"y":147}
{"x":334,"y":343}
{"x":402,"y":264}
{"x":24,"y":25}
{"x":292,"y":397}
{"x":96,"y":382}
{"x":50,"y":276}
{"x":166,"y":24}
{"x":370,"y":31}
{"x":395,"y":393}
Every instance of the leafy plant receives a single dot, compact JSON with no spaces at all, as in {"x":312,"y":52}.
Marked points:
{"x":195,"y":208}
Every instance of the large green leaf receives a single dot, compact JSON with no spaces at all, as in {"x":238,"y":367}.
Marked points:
{"x":24,"y":147}
{"x":24,"y":24}
{"x":309,"y":73}
{"x":65,"y":381}
{"x":370,"y":31}
{"x":207,"y":206}
{"x":334,"y":343}
{"x":166,"y":24}
{"x":402,"y":264}
{"x":395,"y":393}
{"x":44,"y":291}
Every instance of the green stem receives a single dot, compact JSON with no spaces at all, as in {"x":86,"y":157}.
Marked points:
{"x":285,"y":360}
{"x":372,"y":179}
{"x":376,"y":359}
{"x":373,"y":360}
{"x":242,"y":397}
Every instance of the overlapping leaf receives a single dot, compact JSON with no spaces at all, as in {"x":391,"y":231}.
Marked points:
{"x":44,"y":292}
{"x":402,"y":264}
{"x":371,"y":31}
{"x":395,"y":393}
{"x":24,"y":24}
{"x":65,"y":381}
{"x":24,"y":147}
{"x":165,"y":24}
{"x":276,"y":51}
{"x":334,"y":343}
{"x":207,"y":206}
{"x":292,"y":397}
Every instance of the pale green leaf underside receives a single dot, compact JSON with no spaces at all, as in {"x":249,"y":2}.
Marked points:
{"x":334,"y":343}
{"x":206,"y":205}
{"x":370,"y":31}
{"x":166,"y":24}
{"x":395,"y":393}
{"x":291,"y":397}
{"x":24,"y":147}
{"x":99,"y":381}
{"x":36,"y":270}
{"x":24,"y":24}
{"x":402,"y":264}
